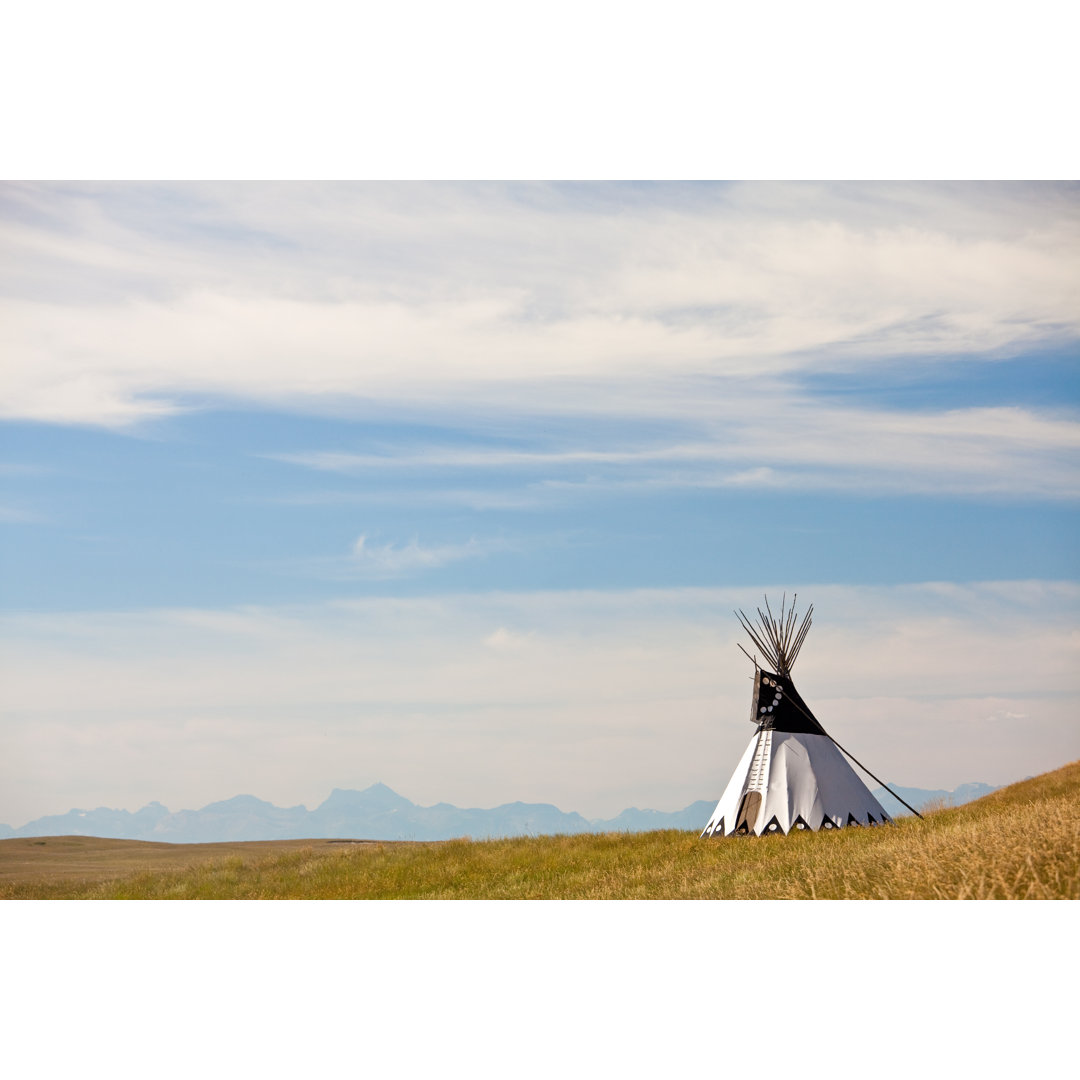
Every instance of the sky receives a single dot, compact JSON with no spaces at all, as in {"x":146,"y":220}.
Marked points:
{"x":455,"y":486}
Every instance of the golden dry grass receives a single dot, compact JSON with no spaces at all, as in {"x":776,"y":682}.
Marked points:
{"x":1022,"y":842}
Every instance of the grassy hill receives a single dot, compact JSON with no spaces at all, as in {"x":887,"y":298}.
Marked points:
{"x":1020,"y":842}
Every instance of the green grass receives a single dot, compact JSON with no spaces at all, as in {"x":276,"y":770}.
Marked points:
{"x":1022,"y":842}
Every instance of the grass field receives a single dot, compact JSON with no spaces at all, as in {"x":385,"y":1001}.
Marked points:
{"x":1021,"y":842}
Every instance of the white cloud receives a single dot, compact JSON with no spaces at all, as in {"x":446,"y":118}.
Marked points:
{"x":698,"y":306}
{"x":129,"y":298}
{"x":591,"y":700}
{"x":780,"y":440}
{"x":391,"y":561}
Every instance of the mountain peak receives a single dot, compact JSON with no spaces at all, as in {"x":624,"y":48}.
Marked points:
{"x":376,"y":797}
{"x":238,"y":802}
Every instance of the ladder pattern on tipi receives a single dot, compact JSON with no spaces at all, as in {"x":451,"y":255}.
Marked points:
{"x":759,"y":767}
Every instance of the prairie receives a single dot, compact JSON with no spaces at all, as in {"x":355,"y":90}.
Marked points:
{"x":1020,"y":842}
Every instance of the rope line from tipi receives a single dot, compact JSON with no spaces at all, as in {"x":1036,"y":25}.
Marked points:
{"x":856,"y":760}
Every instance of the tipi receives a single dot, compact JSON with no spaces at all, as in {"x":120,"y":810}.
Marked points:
{"x":792,"y":775}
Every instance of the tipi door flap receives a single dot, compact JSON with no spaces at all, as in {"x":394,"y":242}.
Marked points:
{"x":749,"y":809}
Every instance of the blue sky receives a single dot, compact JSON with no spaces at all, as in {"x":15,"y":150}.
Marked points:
{"x":572,"y":424}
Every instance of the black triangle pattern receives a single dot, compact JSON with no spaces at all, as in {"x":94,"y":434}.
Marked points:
{"x":773,"y":827}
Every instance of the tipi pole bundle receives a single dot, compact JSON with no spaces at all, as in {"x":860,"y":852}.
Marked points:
{"x":778,"y":639}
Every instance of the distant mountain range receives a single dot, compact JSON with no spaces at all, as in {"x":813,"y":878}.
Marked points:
{"x":919,"y":797}
{"x":377,"y":813}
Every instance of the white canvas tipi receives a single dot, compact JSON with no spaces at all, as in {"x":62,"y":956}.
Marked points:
{"x":792,"y":775}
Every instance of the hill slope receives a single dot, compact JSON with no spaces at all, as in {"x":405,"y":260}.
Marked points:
{"x":1019,"y":842}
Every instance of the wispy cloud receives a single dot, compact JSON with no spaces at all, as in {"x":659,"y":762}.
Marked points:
{"x":391,"y":561}
{"x":474,"y":295}
{"x":376,"y":560}
{"x":787,"y":441}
